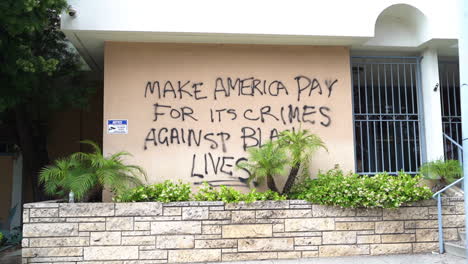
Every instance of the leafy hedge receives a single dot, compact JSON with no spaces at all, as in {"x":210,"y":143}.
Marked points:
{"x":331,"y":188}
{"x":176,"y":192}
{"x":165,"y":192}
{"x":352,"y":190}
{"x":231,"y":195}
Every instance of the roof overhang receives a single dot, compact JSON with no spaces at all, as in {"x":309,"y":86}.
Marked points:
{"x":296,"y":22}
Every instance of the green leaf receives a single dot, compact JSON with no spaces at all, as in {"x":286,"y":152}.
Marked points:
{"x":84,"y":172}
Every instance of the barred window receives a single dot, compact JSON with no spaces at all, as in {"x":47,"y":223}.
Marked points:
{"x":386,"y":114}
{"x":451,"y":110}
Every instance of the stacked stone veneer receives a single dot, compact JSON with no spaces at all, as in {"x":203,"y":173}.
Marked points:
{"x":124,"y":233}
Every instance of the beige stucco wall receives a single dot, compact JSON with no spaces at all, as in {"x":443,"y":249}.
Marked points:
{"x":130,"y":66}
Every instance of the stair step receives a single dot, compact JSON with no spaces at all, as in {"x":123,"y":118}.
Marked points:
{"x":455,"y":191}
{"x":455,"y":249}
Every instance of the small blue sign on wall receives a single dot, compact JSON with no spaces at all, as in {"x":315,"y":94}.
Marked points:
{"x":117,"y":126}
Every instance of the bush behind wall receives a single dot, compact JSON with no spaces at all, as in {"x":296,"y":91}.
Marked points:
{"x":333,"y":188}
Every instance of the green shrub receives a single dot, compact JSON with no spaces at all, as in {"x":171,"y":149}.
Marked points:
{"x":301,"y":145}
{"x":231,"y":195}
{"x":175,"y":192}
{"x":268,"y":195}
{"x":225,"y":194}
{"x":265,"y":162}
{"x":166,"y":191}
{"x":293,"y":148}
{"x":331,"y":188}
{"x":447,"y":171}
{"x":207,"y":193}
{"x":352,"y":190}
{"x":1,"y":238}
{"x":86,"y":174}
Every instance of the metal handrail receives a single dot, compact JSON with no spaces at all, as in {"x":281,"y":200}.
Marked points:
{"x":448,"y":187}
{"x":452,"y":141}
{"x":438,"y":196}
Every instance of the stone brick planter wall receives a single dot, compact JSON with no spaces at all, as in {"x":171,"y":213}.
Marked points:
{"x":127,"y":233}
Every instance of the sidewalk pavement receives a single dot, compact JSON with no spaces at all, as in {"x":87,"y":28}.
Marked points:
{"x":393,"y":259}
{"x":15,"y":258}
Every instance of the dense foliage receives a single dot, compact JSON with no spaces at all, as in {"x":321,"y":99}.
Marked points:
{"x":292,"y":149}
{"x":85,"y":174}
{"x":36,"y":56}
{"x":39,"y":73}
{"x":446,"y":171}
{"x":352,"y":190}
{"x":266,"y":162}
{"x":301,"y":145}
{"x":331,"y":188}
{"x":231,"y":195}
{"x":166,"y":191}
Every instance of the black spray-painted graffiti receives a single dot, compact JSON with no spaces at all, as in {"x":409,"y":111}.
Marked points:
{"x":285,"y":114}
{"x":250,"y":135}
{"x":226,"y":87}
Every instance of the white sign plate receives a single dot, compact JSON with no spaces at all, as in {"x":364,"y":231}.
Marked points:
{"x":117,"y":126}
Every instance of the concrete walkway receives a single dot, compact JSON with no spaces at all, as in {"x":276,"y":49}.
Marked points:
{"x":10,"y":256}
{"x":394,"y":259}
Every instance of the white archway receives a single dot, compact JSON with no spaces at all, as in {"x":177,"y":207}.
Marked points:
{"x":400,"y":25}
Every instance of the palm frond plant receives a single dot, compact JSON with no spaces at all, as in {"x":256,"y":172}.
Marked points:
{"x":86,"y":174}
{"x":265,"y":162}
{"x":301,"y":145}
{"x":446,"y":171}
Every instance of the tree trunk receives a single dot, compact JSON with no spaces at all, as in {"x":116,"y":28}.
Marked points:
{"x":271,"y":183}
{"x":34,"y":151}
{"x":94,"y":195}
{"x":291,"y":178}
